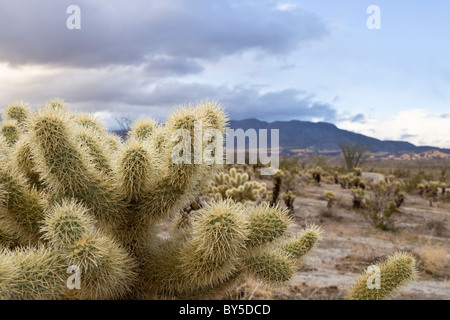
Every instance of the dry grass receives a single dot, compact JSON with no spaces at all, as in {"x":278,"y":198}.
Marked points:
{"x":433,"y":259}
{"x":251,"y":290}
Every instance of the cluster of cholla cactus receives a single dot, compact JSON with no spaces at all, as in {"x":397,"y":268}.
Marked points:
{"x":236,"y":186}
{"x":351,"y":180}
{"x":430,"y":190}
{"x":385,"y":200}
{"x":77,"y":203}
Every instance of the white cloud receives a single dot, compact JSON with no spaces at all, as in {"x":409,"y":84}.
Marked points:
{"x":286,"y":6}
{"x":417,"y":126}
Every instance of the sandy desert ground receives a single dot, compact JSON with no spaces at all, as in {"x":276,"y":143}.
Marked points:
{"x":351,"y":244}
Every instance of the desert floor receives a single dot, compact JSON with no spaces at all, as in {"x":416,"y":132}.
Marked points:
{"x":350,"y":244}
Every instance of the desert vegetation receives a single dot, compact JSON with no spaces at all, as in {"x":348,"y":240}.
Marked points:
{"x":136,"y":225}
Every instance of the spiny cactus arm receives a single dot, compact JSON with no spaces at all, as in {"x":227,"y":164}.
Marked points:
{"x":10,"y":131}
{"x":18,"y":111}
{"x":89,"y":121}
{"x":142,"y":129}
{"x":219,"y":232}
{"x":136,"y":170}
{"x":96,"y":147}
{"x":266,"y":223}
{"x":8,"y":238}
{"x":275,"y":264}
{"x":202,"y":255}
{"x":397,"y":270}
{"x":299,"y":245}
{"x":56,"y":104}
{"x":177,"y":186}
{"x":22,"y":159}
{"x":31,"y":274}
{"x":107,"y":270}
{"x":22,"y":207}
{"x":114,"y":141}
{"x":68,"y":170}
{"x":272,"y":266}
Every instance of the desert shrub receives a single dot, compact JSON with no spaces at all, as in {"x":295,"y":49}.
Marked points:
{"x":433,"y":259}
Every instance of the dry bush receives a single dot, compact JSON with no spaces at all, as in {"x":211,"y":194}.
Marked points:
{"x":433,"y":259}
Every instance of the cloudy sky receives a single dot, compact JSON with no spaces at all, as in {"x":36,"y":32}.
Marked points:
{"x":310,"y":60}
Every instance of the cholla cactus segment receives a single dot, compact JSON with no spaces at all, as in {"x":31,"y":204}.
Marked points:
{"x":303,"y":243}
{"x":266,"y":223}
{"x":89,"y":121}
{"x":219,"y":232}
{"x":10,"y":131}
{"x":96,"y":147}
{"x":396,"y":271}
{"x":108,"y":270}
{"x":55,"y":104}
{"x":137,"y":170}
{"x":273,"y":267}
{"x":113,"y":141}
{"x":58,"y":156}
{"x":217,"y":241}
{"x":142,"y":129}
{"x":22,"y":159}
{"x":31,"y":273}
{"x":66,"y":222}
{"x":18,"y":111}
{"x":22,"y":206}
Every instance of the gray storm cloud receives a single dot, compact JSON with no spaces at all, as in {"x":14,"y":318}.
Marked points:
{"x":136,"y":31}
{"x":133,"y":55}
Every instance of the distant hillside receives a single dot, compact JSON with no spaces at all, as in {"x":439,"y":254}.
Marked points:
{"x":298,"y":137}
{"x":321,"y":136}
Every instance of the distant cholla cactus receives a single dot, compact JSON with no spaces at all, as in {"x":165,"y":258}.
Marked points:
{"x":276,"y":190}
{"x":421,"y":187}
{"x":358,"y":198}
{"x":443,"y":187}
{"x":75,"y":197}
{"x":397,"y":270}
{"x":382,"y":203}
{"x":289,"y":198}
{"x":330,"y":197}
{"x":357,"y":171}
{"x":235,"y":186}
{"x":317,"y":173}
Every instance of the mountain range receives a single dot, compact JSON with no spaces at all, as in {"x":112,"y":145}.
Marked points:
{"x":304,"y":137}
{"x":297,"y":137}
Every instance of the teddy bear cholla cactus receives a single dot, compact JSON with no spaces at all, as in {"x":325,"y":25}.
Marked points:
{"x":395,"y":271}
{"x":236,"y":186}
{"x":72,"y":194}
